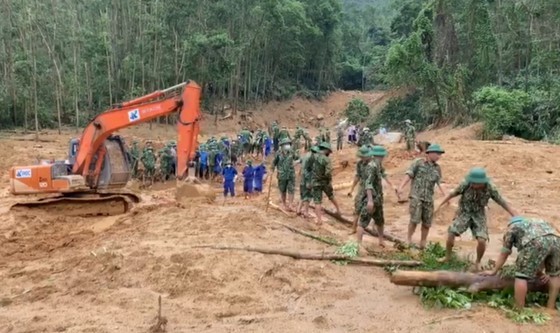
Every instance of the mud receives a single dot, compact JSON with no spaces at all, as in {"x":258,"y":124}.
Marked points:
{"x":104,"y":274}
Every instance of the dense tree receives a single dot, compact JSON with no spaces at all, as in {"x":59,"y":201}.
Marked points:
{"x":64,"y":61}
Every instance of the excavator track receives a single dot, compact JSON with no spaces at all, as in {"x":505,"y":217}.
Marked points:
{"x":80,"y":204}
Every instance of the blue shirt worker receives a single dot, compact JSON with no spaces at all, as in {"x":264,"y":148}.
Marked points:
{"x":230,"y":174}
{"x":248,"y":177}
{"x":260,"y":171}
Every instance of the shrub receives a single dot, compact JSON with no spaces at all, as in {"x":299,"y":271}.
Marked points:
{"x":357,"y":111}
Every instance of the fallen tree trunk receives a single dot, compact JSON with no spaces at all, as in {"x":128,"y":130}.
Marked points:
{"x":350,"y":223}
{"x":474,"y":282}
{"x":316,"y":256}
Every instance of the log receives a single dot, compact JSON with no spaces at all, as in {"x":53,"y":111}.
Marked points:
{"x":371,"y":232}
{"x":315,"y":256}
{"x":474,"y":282}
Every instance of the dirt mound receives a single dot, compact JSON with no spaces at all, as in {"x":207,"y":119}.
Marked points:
{"x":194,"y":189}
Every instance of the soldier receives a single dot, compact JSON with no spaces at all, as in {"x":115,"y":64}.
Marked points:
{"x":475,"y":192}
{"x":275,"y":134}
{"x":148,"y":159}
{"x":328,"y":135}
{"x":365,"y":154}
{"x":165,"y":162}
{"x":409,"y":135}
{"x":538,"y":245}
{"x":284,"y":161}
{"x":366,"y":138}
{"x":339,"y":137}
{"x":425,"y":174}
{"x":371,"y":203}
{"x":284,"y":134}
{"x":305,"y":178}
{"x":135,"y":153}
{"x":321,"y":180}
{"x":297,"y":137}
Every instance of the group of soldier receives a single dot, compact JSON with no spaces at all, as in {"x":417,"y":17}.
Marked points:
{"x":537,"y":241}
{"x":166,"y":156}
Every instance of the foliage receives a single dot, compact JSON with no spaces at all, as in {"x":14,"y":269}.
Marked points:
{"x":348,"y":249}
{"x":454,"y":51}
{"x":445,"y":297}
{"x":501,"y":110}
{"x":398,"y":109}
{"x":357,"y":111}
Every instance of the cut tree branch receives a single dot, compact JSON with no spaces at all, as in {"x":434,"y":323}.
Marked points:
{"x":315,"y":256}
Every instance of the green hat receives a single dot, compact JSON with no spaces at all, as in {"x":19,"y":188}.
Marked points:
{"x":315,"y":149}
{"x":516,"y":219}
{"x":435,"y":148}
{"x":477,"y":176}
{"x":379,"y":151}
{"x":364,"y":151}
{"x":325,"y":145}
{"x":249,"y":162}
{"x":408,"y":121}
{"x":285,"y":141}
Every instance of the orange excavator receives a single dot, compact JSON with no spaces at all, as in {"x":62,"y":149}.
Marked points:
{"x":91,"y":180}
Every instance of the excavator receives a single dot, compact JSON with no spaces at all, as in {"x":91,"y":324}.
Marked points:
{"x":91,"y":181}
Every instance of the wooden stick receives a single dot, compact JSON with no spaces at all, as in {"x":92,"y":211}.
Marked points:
{"x":268,"y":194}
{"x":310,"y":235}
{"x":316,"y":256}
{"x":278,"y":208}
{"x":371,"y":232}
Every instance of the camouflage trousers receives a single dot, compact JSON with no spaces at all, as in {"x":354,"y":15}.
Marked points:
{"x":318,"y":190}
{"x":475,"y":222}
{"x":287,"y":185}
{"x":410,"y":145}
{"x":542,"y":250}
{"x":339,"y":141}
{"x":305,"y":193}
{"x":421,"y":212}
{"x":377,"y":216}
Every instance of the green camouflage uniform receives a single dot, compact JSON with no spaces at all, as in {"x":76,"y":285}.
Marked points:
{"x":366,"y":139}
{"x":373,"y":174}
{"x":297,"y":138}
{"x":283,"y":134}
{"x":166,"y":162}
{"x":471,"y":213}
{"x":284,"y":161}
{"x":305,"y":182}
{"x":149,"y":161}
{"x":339,"y":137}
{"x":321,"y":178}
{"x":410,"y":136}
{"x":537,"y":242}
{"x":425,"y":175}
{"x":327,"y":135}
{"x":361,"y":168}
{"x":135,"y":153}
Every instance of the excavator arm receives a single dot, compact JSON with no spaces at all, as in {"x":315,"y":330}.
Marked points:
{"x":184,"y":97}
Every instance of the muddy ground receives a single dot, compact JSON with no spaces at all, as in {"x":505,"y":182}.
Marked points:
{"x":71,"y":274}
